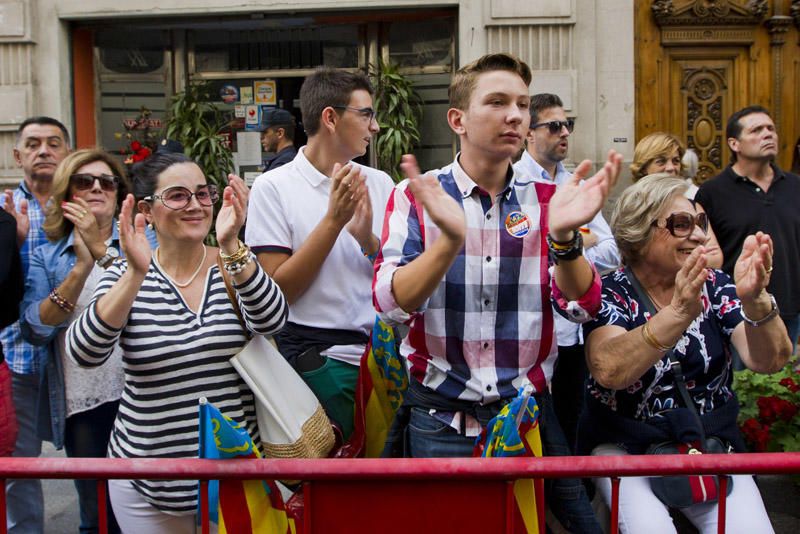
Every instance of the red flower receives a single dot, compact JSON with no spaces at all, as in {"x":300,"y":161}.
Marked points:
{"x":756,"y":434}
{"x":790,"y":384}
{"x":136,"y":146}
{"x":771,"y":409}
{"x":141,"y":154}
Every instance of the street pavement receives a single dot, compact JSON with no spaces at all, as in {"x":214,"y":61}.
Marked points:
{"x":781,"y":496}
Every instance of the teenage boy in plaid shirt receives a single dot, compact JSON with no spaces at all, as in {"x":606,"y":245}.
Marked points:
{"x":464,"y":263}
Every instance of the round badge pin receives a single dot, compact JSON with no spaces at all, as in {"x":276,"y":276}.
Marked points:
{"x":518,"y":224}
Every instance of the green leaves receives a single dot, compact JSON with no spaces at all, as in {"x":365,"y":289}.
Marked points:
{"x":399,"y":114}
{"x":760,"y":396}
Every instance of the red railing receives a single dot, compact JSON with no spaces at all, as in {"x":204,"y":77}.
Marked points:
{"x":395,"y":495}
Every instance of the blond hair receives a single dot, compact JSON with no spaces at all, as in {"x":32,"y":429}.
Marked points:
{"x":651,"y":147}
{"x":465,"y":78}
{"x":637,"y":208}
{"x":56,"y":226}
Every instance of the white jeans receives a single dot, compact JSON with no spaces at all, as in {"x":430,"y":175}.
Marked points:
{"x":135,"y":515}
{"x":641,"y":511}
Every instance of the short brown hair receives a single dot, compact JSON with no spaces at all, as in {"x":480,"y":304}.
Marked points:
{"x":55,"y":226}
{"x":465,"y":78}
{"x":325,"y":87}
{"x":652,"y":146}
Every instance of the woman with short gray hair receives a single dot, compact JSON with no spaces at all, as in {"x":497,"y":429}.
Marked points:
{"x":664,"y":306}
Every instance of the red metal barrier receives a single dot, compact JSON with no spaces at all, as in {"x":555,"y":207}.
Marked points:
{"x":398,"y":495}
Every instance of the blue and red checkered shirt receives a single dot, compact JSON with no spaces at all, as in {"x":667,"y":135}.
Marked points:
{"x":489,"y":324}
{"x":22,"y":357}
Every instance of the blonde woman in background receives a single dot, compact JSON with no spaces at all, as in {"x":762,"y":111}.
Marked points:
{"x":661,"y":152}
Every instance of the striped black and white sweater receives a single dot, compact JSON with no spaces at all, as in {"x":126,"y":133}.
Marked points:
{"x":172,"y":357}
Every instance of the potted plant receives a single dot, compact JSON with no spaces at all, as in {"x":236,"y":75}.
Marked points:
{"x":399,"y":112}
{"x":770,"y":409}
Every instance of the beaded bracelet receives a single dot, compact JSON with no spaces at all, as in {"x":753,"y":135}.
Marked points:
{"x":61,"y":302}
{"x":235,"y":268}
{"x":370,"y":257}
{"x":651,"y":340}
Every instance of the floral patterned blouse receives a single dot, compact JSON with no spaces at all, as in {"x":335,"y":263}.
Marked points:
{"x":704,"y":350}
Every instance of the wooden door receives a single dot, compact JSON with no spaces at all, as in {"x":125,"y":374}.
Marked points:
{"x":698,"y":61}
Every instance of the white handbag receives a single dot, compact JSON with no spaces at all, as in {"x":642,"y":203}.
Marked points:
{"x":291,"y":421}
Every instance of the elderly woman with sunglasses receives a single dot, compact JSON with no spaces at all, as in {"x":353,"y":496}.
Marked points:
{"x":178,"y":327}
{"x":667,"y":305}
{"x":78,"y":406}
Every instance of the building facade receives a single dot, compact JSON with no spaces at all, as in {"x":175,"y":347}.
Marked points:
{"x":96,"y":64}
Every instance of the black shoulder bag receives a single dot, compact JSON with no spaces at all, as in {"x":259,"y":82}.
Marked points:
{"x":682,"y":491}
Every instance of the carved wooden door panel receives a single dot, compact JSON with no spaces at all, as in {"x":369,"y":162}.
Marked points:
{"x":705,"y":87}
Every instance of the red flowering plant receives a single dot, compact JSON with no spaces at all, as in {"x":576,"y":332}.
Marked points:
{"x":140,"y":135}
{"x":770,"y":409}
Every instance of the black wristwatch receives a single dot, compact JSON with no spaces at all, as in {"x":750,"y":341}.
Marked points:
{"x":567,"y":250}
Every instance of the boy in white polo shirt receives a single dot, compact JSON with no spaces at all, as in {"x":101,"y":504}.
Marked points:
{"x":314,"y":225}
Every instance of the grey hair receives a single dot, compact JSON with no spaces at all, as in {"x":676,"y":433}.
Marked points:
{"x":637,"y":208}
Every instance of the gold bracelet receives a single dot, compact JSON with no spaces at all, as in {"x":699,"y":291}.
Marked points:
{"x":241,"y":253}
{"x":651,"y":340}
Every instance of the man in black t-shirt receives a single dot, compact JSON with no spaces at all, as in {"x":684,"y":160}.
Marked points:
{"x":752,"y":194}
{"x":277,"y":136}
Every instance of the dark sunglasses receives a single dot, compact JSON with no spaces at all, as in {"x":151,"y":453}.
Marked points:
{"x":682,"y":224}
{"x":178,"y":197}
{"x":83,"y":182}
{"x":555,"y":126}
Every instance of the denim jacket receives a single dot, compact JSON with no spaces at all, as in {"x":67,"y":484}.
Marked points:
{"x":49,"y":265}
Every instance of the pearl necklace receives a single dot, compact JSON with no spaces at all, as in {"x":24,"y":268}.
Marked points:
{"x":191,"y":278}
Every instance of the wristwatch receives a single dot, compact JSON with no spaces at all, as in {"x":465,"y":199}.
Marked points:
{"x":773,"y":312}
{"x":109,"y":257}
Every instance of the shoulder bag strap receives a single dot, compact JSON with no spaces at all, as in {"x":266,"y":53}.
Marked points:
{"x":232,"y":296}
{"x":675,"y":365}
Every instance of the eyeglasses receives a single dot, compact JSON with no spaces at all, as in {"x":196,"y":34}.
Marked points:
{"x":178,"y":197}
{"x":367,"y":113}
{"x":555,"y":126}
{"x":83,"y":182}
{"x":682,"y":224}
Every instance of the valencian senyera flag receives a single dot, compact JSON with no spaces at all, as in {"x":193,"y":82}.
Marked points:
{"x":382,"y":382}
{"x":238,"y":506}
{"x":515,"y":432}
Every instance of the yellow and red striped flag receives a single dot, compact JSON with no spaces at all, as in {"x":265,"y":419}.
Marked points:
{"x":239,"y":506}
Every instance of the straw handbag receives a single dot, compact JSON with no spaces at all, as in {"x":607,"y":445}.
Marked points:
{"x":291,"y":421}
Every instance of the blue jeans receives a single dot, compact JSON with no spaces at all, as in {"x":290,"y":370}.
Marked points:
{"x":86,"y":435}
{"x":25,"y":513}
{"x":566,"y":497}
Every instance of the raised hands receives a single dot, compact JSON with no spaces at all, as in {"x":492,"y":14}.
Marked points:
{"x":132,"y":238}
{"x":360,"y":225}
{"x":754,"y":266}
{"x":21,"y":215}
{"x":441,"y":207}
{"x":575,"y":204}
{"x":689,"y":285}
{"x":347,"y":187}
{"x":78,"y":212}
{"x":232,"y":214}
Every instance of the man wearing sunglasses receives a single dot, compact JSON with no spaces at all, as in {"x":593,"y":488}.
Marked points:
{"x":314,"y":225}
{"x":41,"y":144}
{"x":753,"y":194}
{"x":547,"y":142}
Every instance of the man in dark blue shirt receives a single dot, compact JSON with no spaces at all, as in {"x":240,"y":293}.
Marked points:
{"x":277,"y":136}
